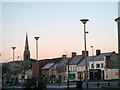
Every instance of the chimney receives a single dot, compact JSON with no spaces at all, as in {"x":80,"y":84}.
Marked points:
{"x":98,"y":52}
{"x":73,"y":54}
{"x":83,"y":53}
{"x":63,"y":56}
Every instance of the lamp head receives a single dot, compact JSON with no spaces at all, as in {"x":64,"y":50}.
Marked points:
{"x":36,"y":38}
{"x":117,"y":20}
{"x":13,"y":48}
{"x":91,"y":46}
{"x":84,"y":21}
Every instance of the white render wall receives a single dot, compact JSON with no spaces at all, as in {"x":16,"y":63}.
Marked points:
{"x":110,"y":74}
{"x":73,"y":69}
{"x":97,"y":62}
{"x":80,"y":69}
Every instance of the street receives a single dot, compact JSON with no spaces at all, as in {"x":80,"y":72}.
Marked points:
{"x":103,"y":85}
{"x":91,"y":84}
{"x":69,"y":89}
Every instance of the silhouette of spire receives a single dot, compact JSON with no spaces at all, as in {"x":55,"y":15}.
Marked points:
{"x":26,"y":43}
{"x":26,"y":51}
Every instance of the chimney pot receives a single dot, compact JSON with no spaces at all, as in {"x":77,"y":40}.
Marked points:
{"x":83,"y":53}
{"x":73,"y":54}
{"x":63,"y":56}
{"x":98,"y":52}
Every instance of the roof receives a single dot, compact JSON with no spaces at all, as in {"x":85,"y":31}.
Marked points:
{"x":107,"y":54}
{"x":53,"y":60}
{"x":75,"y":60}
{"x":28,"y":72}
{"x":95,"y":58}
{"x":48,"y":66}
{"x":63,"y":62}
{"x":101,"y":56}
{"x":89,"y":58}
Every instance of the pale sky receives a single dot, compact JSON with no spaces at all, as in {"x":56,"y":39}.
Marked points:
{"x":58,"y":26}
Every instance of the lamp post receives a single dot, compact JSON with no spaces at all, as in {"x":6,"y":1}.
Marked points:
{"x":118,"y":22}
{"x":0,"y":56}
{"x":93,"y":60}
{"x":13,"y":52}
{"x":68,"y":75}
{"x":84,"y":21}
{"x":13,"y":48}
{"x":36,"y":38}
{"x":92,"y":50}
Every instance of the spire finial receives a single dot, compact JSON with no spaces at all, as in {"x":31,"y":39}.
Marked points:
{"x":26,"y":43}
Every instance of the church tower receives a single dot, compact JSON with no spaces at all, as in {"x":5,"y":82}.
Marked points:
{"x":26,"y":50}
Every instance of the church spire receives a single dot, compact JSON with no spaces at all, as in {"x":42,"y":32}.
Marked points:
{"x":26,"y":43}
{"x":26,"y":50}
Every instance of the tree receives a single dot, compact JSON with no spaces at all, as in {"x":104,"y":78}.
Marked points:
{"x":6,"y":69}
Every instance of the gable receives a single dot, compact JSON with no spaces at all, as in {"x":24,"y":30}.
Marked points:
{"x":112,"y":61}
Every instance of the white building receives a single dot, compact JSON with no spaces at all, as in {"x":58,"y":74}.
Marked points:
{"x":81,"y":68}
{"x":106,"y":63}
{"x":100,"y":67}
{"x":74,"y":61}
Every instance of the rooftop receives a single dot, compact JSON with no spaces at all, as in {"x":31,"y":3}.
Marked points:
{"x":48,"y":66}
{"x":89,"y":58}
{"x":75,"y":60}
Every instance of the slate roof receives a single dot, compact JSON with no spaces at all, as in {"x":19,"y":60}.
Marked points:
{"x":75,"y":60}
{"x":89,"y":58}
{"x":28,"y":72}
{"x":101,"y":56}
{"x":54,"y":60}
{"x":48,"y":66}
{"x":63,"y":62}
{"x":94,"y":58}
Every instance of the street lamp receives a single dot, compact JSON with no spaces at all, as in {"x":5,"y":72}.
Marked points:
{"x":13,"y":52}
{"x":13,"y":48}
{"x":36,"y":38}
{"x":118,"y":22}
{"x":93,"y":60}
{"x":0,"y":56}
{"x":68,"y":74}
{"x":92,"y":50}
{"x":84,"y":21}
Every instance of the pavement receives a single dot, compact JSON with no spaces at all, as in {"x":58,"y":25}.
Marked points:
{"x":72,"y":86}
{"x":90,"y":85}
{"x":69,"y":89}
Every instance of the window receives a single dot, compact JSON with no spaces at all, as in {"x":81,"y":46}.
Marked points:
{"x":106,"y":76}
{"x":74,"y":68}
{"x":97,"y":65}
{"x":92,"y":66}
{"x":70,"y":69}
{"x":101,"y":65}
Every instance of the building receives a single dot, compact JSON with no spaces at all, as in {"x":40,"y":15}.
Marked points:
{"x":74,"y":61}
{"x":61,"y":69}
{"x":48,"y":73}
{"x":102,"y":66}
{"x":36,"y":67}
{"x":118,"y":26}
{"x":81,"y":68}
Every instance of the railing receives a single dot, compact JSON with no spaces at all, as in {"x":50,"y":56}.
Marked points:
{"x":100,"y":84}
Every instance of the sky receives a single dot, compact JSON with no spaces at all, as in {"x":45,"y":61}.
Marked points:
{"x":58,"y":26}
